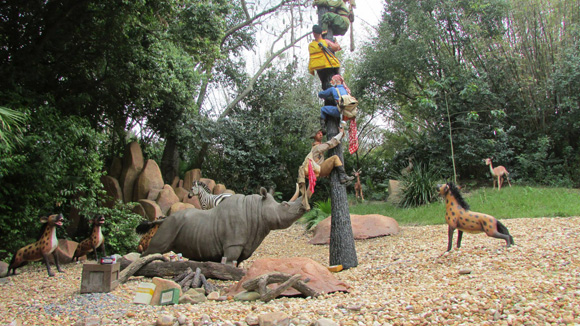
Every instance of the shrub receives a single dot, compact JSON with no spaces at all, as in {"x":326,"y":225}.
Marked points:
{"x":418,"y":187}
{"x":321,"y":210}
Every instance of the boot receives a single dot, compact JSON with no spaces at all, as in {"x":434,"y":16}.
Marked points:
{"x":343,"y":177}
{"x":304,"y":195}
{"x":323,"y":126}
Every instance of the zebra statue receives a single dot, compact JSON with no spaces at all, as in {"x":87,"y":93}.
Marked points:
{"x":207,"y":200}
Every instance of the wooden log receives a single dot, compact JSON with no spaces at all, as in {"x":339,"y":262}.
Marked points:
{"x":135,"y":266}
{"x":182,"y":276}
{"x":208,"y":287}
{"x":186,"y":279}
{"x":195,"y":283}
{"x":170,"y":269}
{"x":260,"y":283}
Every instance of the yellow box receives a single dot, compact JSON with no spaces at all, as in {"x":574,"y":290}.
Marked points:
{"x":144,"y":293}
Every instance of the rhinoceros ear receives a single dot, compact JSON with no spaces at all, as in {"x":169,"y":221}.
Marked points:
{"x":263,"y":192}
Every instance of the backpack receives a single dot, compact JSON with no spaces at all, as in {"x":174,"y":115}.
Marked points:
{"x":347,"y":105}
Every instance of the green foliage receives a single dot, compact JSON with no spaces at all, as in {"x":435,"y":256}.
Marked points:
{"x":510,"y":202}
{"x":418,"y":187}
{"x":11,"y":122}
{"x":320,"y":211}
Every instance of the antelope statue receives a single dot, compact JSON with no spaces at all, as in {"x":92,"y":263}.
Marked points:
{"x":41,"y":249}
{"x":94,"y":241}
{"x":458,"y":216}
{"x":357,"y":186}
{"x":406,"y":170}
{"x":497,"y":173}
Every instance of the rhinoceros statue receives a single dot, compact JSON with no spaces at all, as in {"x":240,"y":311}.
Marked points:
{"x":234,"y":229}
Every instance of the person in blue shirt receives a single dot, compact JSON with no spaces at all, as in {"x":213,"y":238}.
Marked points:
{"x":331,"y":97}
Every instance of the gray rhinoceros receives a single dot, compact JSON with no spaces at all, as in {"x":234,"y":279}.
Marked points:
{"x":234,"y":229}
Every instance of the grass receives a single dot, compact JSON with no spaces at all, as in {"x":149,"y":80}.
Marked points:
{"x":514,"y":202}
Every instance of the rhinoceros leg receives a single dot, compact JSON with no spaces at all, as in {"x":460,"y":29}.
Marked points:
{"x":233,"y":253}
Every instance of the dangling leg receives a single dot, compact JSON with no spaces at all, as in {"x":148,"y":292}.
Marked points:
{"x":304,"y":195}
{"x":508,"y":239}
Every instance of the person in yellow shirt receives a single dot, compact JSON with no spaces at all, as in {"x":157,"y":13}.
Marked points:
{"x":322,"y":57}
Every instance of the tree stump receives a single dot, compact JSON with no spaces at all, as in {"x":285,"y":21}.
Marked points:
{"x":261,"y":282}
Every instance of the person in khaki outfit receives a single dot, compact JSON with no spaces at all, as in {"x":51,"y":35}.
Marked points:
{"x":320,"y":166}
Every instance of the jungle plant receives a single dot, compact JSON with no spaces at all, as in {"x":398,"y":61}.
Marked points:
{"x":321,"y":210}
{"x":418,"y":187}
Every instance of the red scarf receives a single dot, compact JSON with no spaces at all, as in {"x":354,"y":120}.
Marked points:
{"x":311,"y":178}
{"x":352,"y":137}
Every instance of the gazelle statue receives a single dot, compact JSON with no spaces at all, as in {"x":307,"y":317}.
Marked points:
{"x":497,"y":173}
{"x":406,"y":170}
{"x":357,"y":186}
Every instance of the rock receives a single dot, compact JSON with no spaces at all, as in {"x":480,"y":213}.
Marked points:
{"x":252,"y":320}
{"x":325,"y":322}
{"x":321,"y":280}
{"x":153,"y":194}
{"x":209,"y":183}
{"x":165,"y":320}
{"x":229,"y":191}
{"x":219,"y":189}
{"x":181,"y":193}
{"x":152,"y":209}
{"x":193,"y":201}
{"x":205,"y":320}
{"x":3,"y":268}
{"x":149,"y":178}
{"x":192,"y":298}
{"x":247,"y":296}
{"x":64,"y":251}
{"x":113,"y":192}
{"x":363,"y":227}
{"x":132,"y":256}
{"x":464,"y":271}
{"x":132,"y":166}
{"x":116,"y":168}
{"x":179,"y":206}
{"x":275,"y":318}
{"x":91,"y":321}
{"x":213,"y":295}
{"x":166,"y":198}
{"x":161,"y":285}
{"x":394,"y":191}
{"x":181,"y":319}
{"x":189,"y":177}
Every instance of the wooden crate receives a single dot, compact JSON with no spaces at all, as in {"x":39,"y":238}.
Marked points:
{"x":99,"y":278}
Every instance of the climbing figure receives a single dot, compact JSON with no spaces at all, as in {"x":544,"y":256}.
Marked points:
{"x":322,"y":57}
{"x":41,"y":249}
{"x":334,"y":16}
{"x":332,"y":95}
{"x":206,"y":200}
{"x":498,"y":173}
{"x":315,"y":166}
{"x":95,"y":241}
{"x":147,"y":229}
{"x":458,"y":216}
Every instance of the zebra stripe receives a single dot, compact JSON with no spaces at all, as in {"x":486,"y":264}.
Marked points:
{"x":207,"y":200}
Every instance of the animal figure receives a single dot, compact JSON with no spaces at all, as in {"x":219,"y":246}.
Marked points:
{"x":406,"y":170}
{"x":498,"y":173}
{"x":206,"y":200}
{"x":41,"y":249}
{"x":458,"y":216}
{"x":148,"y":230}
{"x":357,"y":186}
{"x":94,"y":241}
{"x":234,"y":229}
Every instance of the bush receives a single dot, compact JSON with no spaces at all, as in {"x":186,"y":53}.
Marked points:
{"x":418,"y":187}
{"x":321,"y":210}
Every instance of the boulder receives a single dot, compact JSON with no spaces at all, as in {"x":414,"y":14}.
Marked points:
{"x":112,"y":189}
{"x":229,"y":191}
{"x":219,"y":189}
{"x":193,"y":201}
{"x":321,"y":280}
{"x":275,"y":318}
{"x":181,"y":193}
{"x":166,"y":198}
{"x":149,"y":178}
{"x":363,"y":227}
{"x":64,"y":251}
{"x":3,"y":268}
{"x":161,"y":285}
{"x":116,"y":168}
{"x":140,"y":211}
{"x":132,"y":166}
{"x":190,"y":176}
{"x":394,"y":191}
{"x":153,"y":194}
{"x":209,"y":183}
{"x":179,"y":206}
{"x":175,"y":182}
{"x":152,"y":209}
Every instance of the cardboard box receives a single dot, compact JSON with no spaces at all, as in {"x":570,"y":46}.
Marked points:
{"x":99,"y":278}
{"x":144,"y":293}
{"x":170,"y":296}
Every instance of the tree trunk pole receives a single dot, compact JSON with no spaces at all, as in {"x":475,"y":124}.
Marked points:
{"x":342,"y":249}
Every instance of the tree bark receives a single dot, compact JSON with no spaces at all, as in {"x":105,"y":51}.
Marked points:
{"x":342,"y":248}
{"x":170,"y":160}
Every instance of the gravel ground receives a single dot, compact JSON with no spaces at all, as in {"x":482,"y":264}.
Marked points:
{"x":400,"y":280}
